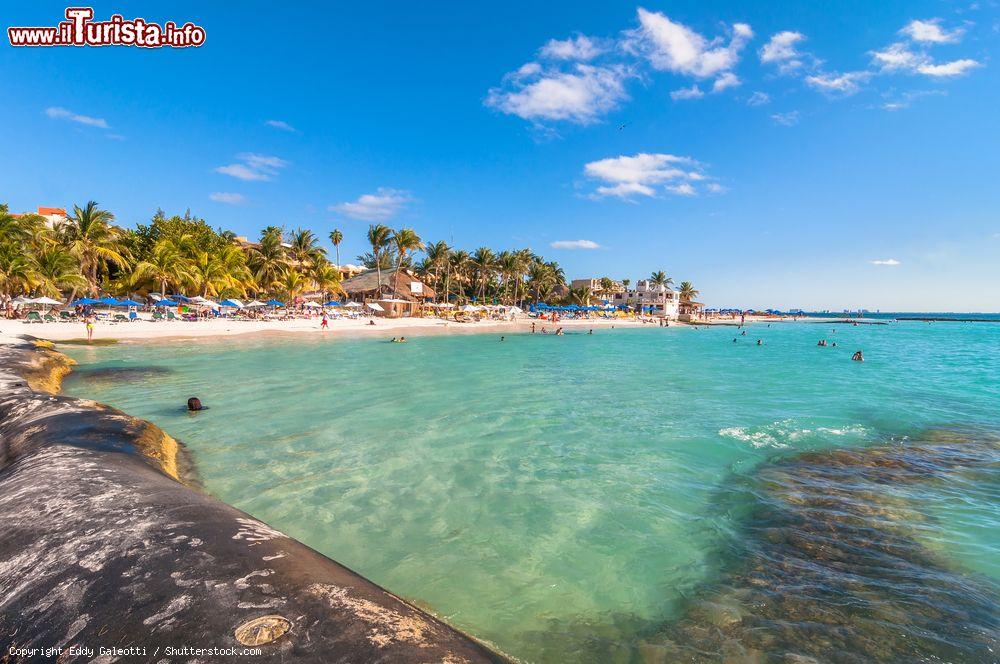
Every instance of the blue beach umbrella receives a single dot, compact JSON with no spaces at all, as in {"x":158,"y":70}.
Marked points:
{"x":229,"y":303}
{"x":274,"y":303}
{"x":332,"y":303}
{"x":85,"y":301}
{"x":167,"y":303}
{"x":129,"y":303}
{"x":110,"y":301}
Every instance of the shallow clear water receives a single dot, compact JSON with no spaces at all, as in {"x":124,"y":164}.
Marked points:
{"x":561,"y":497}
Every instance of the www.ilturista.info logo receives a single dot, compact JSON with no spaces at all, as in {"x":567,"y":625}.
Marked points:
{"x":79,"y":29}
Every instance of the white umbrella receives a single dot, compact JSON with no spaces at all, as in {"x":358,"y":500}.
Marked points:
{"x":44,"y":300}
{"x":516,"y":310}
{"x":353,"y":305}
{"x":255,"y":303}
{"x":198,"y":299}
{"x":312,"y":304}
{"x":374,"y":307}
{"x":392,"y":299}
{"x":469,"y":307}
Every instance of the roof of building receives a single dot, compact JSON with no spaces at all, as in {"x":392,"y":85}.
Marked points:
{"x":45,"y":211}
{"x":367,"y":282}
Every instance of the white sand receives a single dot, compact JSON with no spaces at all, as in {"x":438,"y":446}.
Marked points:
{"x":384,"y":327}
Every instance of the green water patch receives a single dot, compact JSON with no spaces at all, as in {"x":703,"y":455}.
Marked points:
{"x":120,"y":374}
{"x":84,"y":342}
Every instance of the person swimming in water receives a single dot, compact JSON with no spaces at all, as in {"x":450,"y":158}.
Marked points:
{"x":858,"y":356}
{"x":760,"y":342}
{"x":822,"y":342}
{"x":501,"y":338}
{"x":402,"y":340}
{"x":194,"y":404}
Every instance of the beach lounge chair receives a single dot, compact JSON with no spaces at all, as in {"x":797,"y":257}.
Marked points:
{"x":121,"y":318}
{"x":66,"y":316}
{"x":132,"y":316}
{"x":32,"y":317}
{"x":157,"y":315}
{"x":171,"y":315}
{"x":49,"y":318}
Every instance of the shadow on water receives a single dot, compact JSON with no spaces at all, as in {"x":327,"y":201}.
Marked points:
{"x":826,"y":566}
{"x":116,"y":375}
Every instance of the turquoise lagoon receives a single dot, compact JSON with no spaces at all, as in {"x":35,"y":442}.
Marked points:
{"x":569,"y":498}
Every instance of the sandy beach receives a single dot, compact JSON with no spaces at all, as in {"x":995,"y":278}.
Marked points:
{"x":384,"y":327}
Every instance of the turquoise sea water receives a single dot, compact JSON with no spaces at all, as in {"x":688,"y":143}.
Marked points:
{"x":564,"y":498}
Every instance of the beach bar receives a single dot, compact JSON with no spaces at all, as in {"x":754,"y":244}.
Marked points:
{"x":401,"y":293}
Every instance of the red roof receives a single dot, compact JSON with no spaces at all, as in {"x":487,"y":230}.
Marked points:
{"x":51,"y":210}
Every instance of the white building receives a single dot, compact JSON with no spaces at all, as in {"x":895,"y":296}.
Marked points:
{"x":51,"y":215}
{"x":664,"y":301}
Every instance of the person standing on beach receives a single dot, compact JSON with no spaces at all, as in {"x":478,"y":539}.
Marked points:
{"x":325,"y":324}
{"x":89,"y":320}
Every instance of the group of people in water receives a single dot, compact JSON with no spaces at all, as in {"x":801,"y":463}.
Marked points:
{"x":857,"y":357}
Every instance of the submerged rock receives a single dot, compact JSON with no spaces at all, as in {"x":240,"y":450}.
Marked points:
{"x":828,"y":568}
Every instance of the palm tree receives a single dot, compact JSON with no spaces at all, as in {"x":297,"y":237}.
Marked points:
{"x":291,"y":282}
{"x":208,"y":274}
{"x":458,"y":267}
{"x":626,"y":283}
{"x":688,"y":292}
{"x":336,"y":237}
{"x":541,"y":278}
{"x":660,"y":278}
{"x":166,"y":264}
{"x":90,"y":236}
{"x":56,"y":269}
{"x":405,"y":241}
{"x":436,"y":261}
{"x":579,"y":296}
{"x":267,"y":260}
{"x":379,"y":237}
{"x":17,"y":270}
{"x":305,"y":249}
{"x":484,"y":261}
{"x":327,"y":279}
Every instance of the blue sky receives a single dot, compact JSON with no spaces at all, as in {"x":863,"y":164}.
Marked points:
{"x":775,"y":154}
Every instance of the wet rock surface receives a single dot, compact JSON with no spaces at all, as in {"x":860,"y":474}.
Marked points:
{"x":101,"y":547}
{"x":830,"y":569}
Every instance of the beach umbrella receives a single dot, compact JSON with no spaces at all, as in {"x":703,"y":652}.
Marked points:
{"x":332,"y":303}
{"x":233,"y":304}
{"x":469,"y":307}
{"x":166,"y":302}
{"x":353,"y":305}
{"x":255,"y":303}
{"x":44,"y":300}
{"x":110,"y":301}
{"x":274,"y":303}
{"x":180,"y":298}
{"x":129,"y":303}
{"x":374,"y":307}
{"x":312,"y":304}
{"x":84,"y":301}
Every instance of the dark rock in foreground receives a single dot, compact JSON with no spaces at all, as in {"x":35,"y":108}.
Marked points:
{"x":101,"y":548}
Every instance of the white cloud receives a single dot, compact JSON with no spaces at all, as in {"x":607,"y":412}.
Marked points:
{"x":682,"y":189}
{"x":381,"y":206}
{"x":581,"y":95}
{"x":954,"y":68}
{"x":624,"y":190}
{"x":787,"y":119}
{"x":726,"y":80}
{"x":575,"y":244}
{"x":895,"y":57}
{"x":226,"y":197}
{"x":254,"y":167}
{"x":845,"y":84}
{"x":716,"y":188}
{"x":892,"y":262}
{"x":694,"y":92}
{"x":674,"y":47}
{"x":280,"y":124}
{"x":759,"y":99}
{"x":580,"y":47}
{"x":781,"y":51}
{"x":931,"y":32}
{"x":63,"y":114}
{"x":628,"y":176}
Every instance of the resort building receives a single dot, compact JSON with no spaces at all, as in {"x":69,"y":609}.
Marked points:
{"x":598,"y":286}
{"x":52,"y":215}
{"x":401,"y":294}
{"x":654,"y":299}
